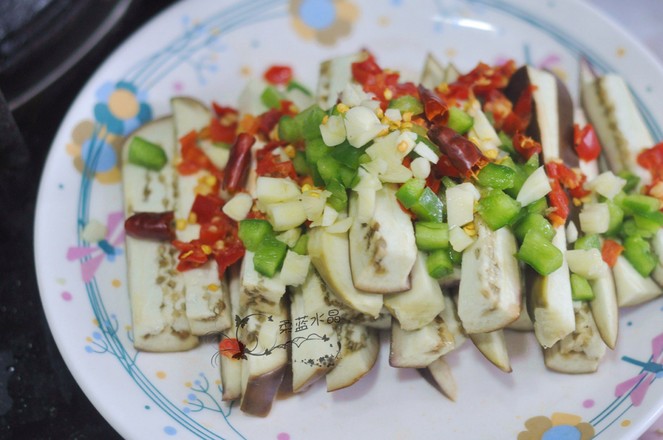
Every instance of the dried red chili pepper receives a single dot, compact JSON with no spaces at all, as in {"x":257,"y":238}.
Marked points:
{"x":238,"y":162}
{"x":435,"y":109}
{"x":151,"y":225}
{"x":462,"y":153}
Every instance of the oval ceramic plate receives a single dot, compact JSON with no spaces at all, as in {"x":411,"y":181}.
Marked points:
{"x":208,"y":50}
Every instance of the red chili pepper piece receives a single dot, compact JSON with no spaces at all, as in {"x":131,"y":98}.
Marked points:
{"x":206,"y":207}
{"x":652,"y":159}
{"x":610,"y":251}
{"x":463,"y":154}
{"x":231,"y":253}
{"x":151,"y":225}
{"x":586,"y":142}
{"x":232,"y":348}
{"x":268,"y":120}
{"x":382,"y":83}
{"x":521,"y":115}
{"x":278,"y":75}
{"x":238,"y":162}
{"x":525,"y":145}
{"x":559,"y":201}
{"x":269,"y":166}
{"x":435,"y":109}
{"x":572,"y":180}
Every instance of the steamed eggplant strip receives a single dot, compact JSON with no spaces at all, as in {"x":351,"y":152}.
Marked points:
{"x":550,"y":300}
{"x":609,"y":106}
{"x":155,"y":288}
{"x":206,"y":307}
{"x":605,"y":309}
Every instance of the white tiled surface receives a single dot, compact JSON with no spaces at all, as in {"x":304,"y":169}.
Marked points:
{"x":644,"y":20}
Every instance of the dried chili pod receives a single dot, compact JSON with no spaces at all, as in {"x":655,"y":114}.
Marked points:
{"x":238,"y":162}
{"x":151,"y":225}
{"x":462,"y":153}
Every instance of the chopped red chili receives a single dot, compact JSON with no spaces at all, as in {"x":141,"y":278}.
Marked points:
{"x":278,"y":75}
{"x":610,"y":251}
{"x":586,"y":142}
{"x":559,"y":201}
{"x":525,"y":145}
{"x":382,"y":83}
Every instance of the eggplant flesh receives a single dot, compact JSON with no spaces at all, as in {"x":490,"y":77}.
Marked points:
{"x":493,"y":346}
{"x":360,"y":346}
{"x":382,"y":248}
{"x":419,"y":348}
{"x":158,"y":306}
{"x":581,"y":351}
{"x":489,"y":294}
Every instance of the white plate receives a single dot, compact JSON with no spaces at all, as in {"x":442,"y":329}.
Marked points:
{"x":208,"y":49}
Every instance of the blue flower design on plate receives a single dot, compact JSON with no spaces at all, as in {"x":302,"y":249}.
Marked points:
{"x":122,"y":107}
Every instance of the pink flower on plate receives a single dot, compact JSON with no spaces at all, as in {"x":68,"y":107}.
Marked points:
{"x":106,"y":240}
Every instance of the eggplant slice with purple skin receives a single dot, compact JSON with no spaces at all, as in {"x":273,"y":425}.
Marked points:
{"x":158,"y":305}
{"x":549,"y":297}
{"x":609,"y":106}
{"x":581,"y":349}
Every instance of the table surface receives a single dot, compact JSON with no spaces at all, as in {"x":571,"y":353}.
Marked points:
{"x":39,"y":399}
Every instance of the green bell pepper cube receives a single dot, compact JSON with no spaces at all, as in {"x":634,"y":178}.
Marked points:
{"x":589,"y":241}
{"x":289,"y":129}
{"x":538,"y":207}
{"x":539,"y":252}
{"x":632,"y":180}
{"x":459,"y":121}
{"x":439,"y":264}
{"x":339,"y":196}
{"x":253,"y":231}
{"x":498,"y":209}
{"x":533,"y":222}
{"x":431,"y":236}
{"x":496,"y":176}
{"x":407,"y":103}
{"x":638,"y":252}
{"x":269,"y":256}
{"x":581,"y":290}
{"x":301,"y":247}
{"x":640,"y":204}
{"x":408,"y":194}
{"x":518,"y":179}
{"x":271,"y":97}
{"x":429,"y":207}
{"x":616,"y":218}
{"x":146,"y":154}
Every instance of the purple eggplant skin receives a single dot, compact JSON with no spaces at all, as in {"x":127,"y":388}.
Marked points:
{"x":261,"y":392}
{"x":518,"y":83}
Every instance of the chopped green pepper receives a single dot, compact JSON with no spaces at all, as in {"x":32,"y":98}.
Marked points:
{"x":439,"y":263}
{"x":146,"y":154}
{"x":632,"y":180}
{"x":581,"y":290}
{"x":339,"y":196}
{"x":640,"y":204}
{"x":498,"y":209}
{"x":407,"y":103}
{"x":638,"y":252}
{"x":301,"y":247}
{"x":271,"y":97}
{"x":459,"y":121}
{"x":589,"y":241}
{"x":616,"y":218}
{"x":253,"y":231}
{"x":540,"y":253}
{"x":408,"y":194}
{"x":429,"y":207}
{"x":496,"y":176}
{"x":538,"y":207}
{"x":269,"y":256}
{"x":431,"y":236}
{"x":533,"y":222}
